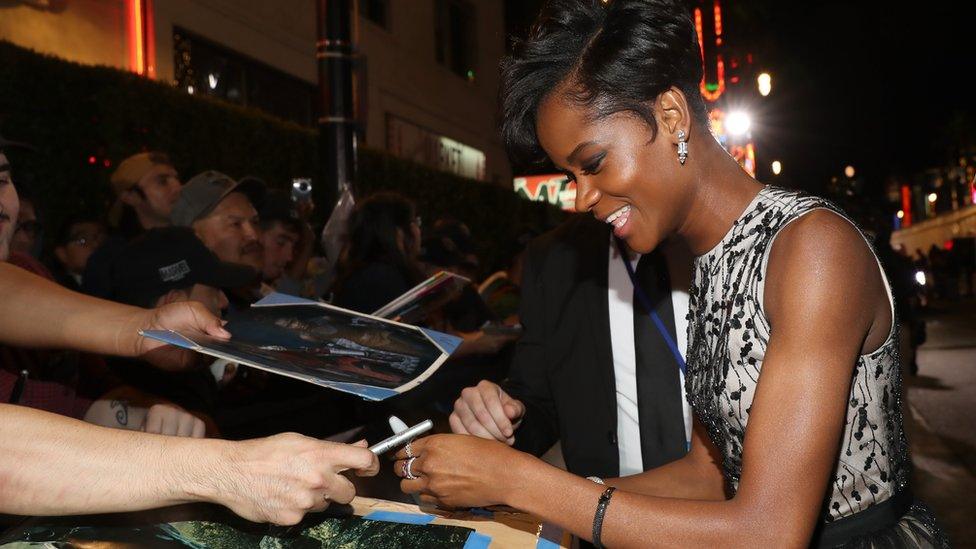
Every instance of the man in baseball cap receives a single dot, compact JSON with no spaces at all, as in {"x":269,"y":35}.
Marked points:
{"x":147,"y":185}
{"x":222,"y":214}
{"x":171,"y":265}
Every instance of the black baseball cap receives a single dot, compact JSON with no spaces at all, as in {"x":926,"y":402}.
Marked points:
{"x":171,"y":258}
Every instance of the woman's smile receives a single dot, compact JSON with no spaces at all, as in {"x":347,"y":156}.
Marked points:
{"x":619,"y":218}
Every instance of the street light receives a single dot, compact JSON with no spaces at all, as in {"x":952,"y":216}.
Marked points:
{"x":900,"y":214}
{"x":765,"y":82}
{"x":933,"y":197}
{"x":777,"y":167}
{"x":738,"y":123}
{"x":849,"y":172}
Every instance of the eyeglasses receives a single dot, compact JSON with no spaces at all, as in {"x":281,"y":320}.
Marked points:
{"x":32,"y":227}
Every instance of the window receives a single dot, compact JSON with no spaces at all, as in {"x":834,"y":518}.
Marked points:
{"x":203,"y":67}
{"x":455,"y":37}
{"x":377,"y":11}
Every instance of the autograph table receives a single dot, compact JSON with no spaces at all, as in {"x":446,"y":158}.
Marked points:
{"x":388,"y":524}
{"x":506,"y":529}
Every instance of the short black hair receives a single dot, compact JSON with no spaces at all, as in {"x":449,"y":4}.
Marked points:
{"x":615,"y":56}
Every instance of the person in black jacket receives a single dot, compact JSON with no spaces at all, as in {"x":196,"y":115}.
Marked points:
{"x":563,"y":382}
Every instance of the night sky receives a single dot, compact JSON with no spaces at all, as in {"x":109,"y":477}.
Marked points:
{"x":881,"y":86}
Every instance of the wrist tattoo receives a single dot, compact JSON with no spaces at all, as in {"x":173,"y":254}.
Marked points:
{"x":122,"y":414}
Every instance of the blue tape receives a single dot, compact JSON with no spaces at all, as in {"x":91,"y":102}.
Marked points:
{"x":275,"y":298}
{"x":447,"y":342}
{"x":367,"y":392}
{"x":477,"y":541}
{"x":401,"y":518}
{"x":546,"y":544}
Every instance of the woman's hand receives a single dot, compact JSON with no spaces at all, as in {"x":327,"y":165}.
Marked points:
{"x":459,"y":470}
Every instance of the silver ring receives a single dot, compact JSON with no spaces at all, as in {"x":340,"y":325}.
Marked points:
{"x":407,"y":472}
{"x":408,"y":450}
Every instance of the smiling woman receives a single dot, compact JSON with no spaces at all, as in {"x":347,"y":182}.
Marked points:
{"x":792,"y":365}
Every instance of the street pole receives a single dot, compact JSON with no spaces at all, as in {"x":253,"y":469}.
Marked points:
{"x":336,"y":123}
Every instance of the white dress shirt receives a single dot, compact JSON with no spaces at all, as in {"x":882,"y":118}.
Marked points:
{"x":620,"y":295}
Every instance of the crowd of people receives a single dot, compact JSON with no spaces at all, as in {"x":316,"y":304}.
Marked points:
{"x":226,"y":243}
{"x":223,"y":244}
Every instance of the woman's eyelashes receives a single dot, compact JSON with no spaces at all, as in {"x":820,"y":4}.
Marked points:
{"x":592,"y":166}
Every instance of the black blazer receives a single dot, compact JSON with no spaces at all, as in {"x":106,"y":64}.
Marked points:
{"x":563,"y":366}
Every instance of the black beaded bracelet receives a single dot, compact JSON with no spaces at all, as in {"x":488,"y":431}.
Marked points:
{"x":601,"y":510}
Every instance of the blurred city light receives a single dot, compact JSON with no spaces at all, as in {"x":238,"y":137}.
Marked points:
{"x":738,"y":123}
{"x":933,"y":197}
{"x":920,"y":278}
{"x":777,"y":167}
{"x":849,"y":172}
{"x":901,"y":214}
{"x":212,"y":80}
{"x":765,"y":84}
{"x":189,"y":90}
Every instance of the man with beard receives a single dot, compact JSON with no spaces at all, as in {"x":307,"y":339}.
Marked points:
{"x":222,"y":214}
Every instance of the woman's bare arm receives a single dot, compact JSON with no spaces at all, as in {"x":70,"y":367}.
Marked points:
{"x":821,"y":312}
{"x":697,"y":475}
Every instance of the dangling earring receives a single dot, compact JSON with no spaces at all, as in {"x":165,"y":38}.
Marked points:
{"x":682,"y":147}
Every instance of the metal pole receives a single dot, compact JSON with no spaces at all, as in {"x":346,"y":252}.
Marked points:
{"x":337,"y":141}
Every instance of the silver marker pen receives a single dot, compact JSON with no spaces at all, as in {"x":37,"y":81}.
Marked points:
{"x":402,"y":437}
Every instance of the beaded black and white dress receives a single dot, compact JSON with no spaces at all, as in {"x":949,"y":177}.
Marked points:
{"x":727,"y":337}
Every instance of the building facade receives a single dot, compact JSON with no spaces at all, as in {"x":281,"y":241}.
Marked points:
{"x":426,"y":76}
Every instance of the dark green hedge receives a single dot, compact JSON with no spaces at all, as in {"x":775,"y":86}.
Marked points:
{"x":72,"y":113}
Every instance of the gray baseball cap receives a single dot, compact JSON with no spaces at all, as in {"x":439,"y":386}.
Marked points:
{"x":204,"y":191}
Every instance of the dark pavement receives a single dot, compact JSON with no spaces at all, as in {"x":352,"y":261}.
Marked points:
{"x":941,"y":418}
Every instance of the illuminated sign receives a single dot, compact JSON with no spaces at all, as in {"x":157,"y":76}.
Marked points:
{"x":711,"y":91}
{"x":555,"y":189}
{"x":407,"y":140}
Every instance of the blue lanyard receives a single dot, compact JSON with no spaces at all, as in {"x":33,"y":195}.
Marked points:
{"x":646,"y":303}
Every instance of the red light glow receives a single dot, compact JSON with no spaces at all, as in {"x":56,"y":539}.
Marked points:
{"x":140,"y":37}
{"x":718,"y":19}
{"x":906,"y":206}
{"x":719,"y":87}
